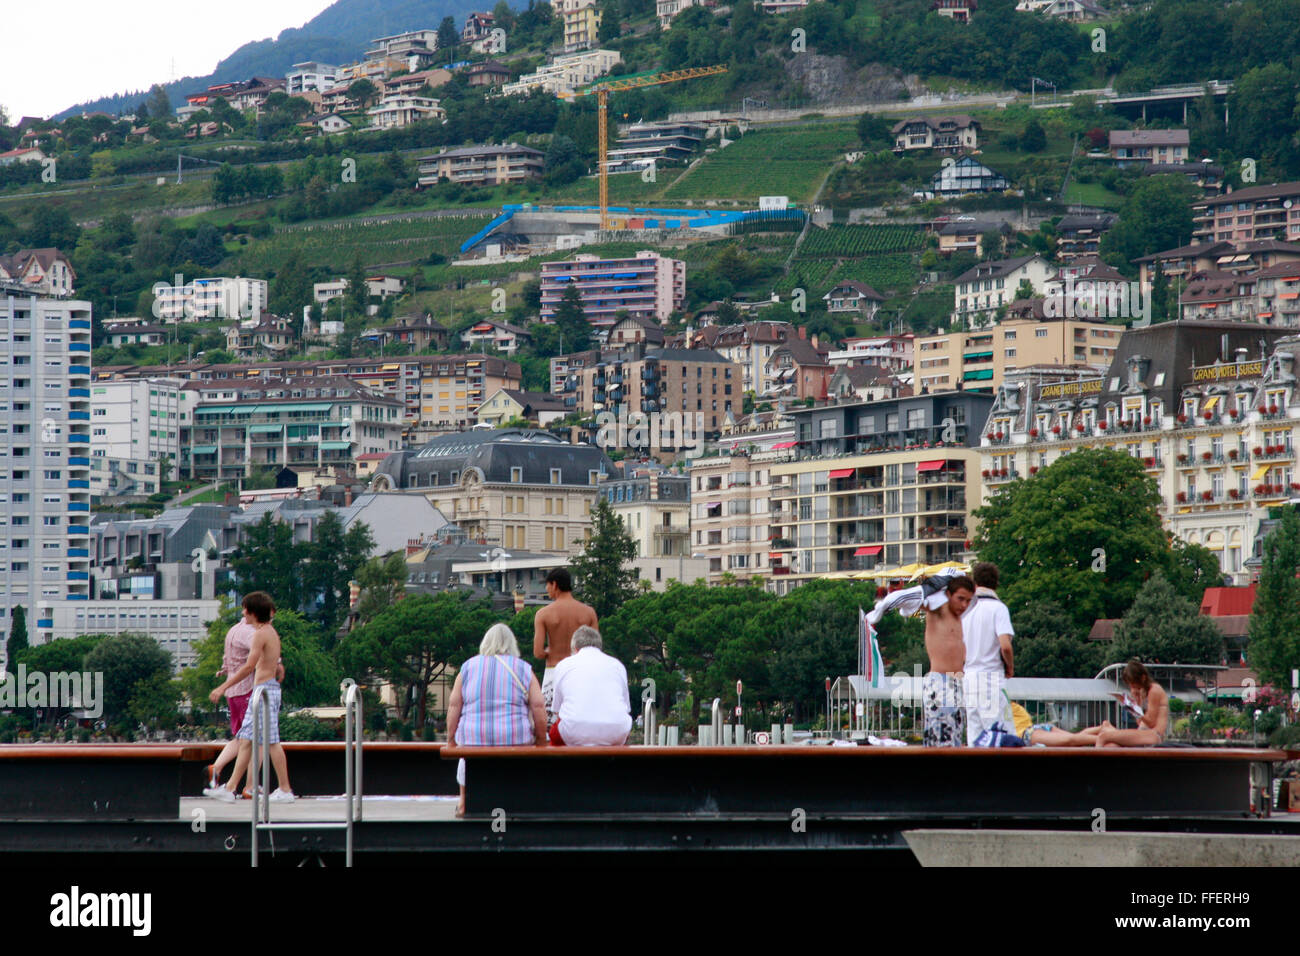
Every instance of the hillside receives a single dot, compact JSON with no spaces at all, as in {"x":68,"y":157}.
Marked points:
{"x":338,"y":34}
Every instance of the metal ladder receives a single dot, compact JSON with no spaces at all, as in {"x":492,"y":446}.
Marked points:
{"x":351,"y":770}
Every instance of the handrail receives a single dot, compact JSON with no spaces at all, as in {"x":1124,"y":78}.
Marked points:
{"x":648,"y":721}
{"x":352,"y":769}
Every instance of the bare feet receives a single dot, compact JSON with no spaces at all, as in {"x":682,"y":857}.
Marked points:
{"x":460,"y":810}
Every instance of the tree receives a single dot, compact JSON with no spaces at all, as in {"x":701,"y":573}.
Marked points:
{"x":160,"y":104}
{"x":17,"y":634}
{"x":600,"y":577}
{"x":382,"y":582}
{"x":1049,"y":643}
{"x":125,"y":660}
{"x":571,"y":320}
{"x":1156,"y":215}
{"x":448,"y":37}
{"x":153,"y":701}
{"x":610,"y":26}
{"x":292,"y":288}
{"x":362,"y":91}
{"x":357,"y":298}
{"x":1275,"y":619}
{"x":563,"y":162}
{"x":875,"y":132}
{"x":1191,"y":569}
{"x":413,"y":643}
{"x":1084,"y":533}
{"x":1164,"y":627}
{"x":333,"y":558}
{"x":1033,"y":140}
{"x":270,"y":560}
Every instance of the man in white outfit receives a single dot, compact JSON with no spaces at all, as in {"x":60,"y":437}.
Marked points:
{"x":986,"y":628}
{"x":591,"y":698}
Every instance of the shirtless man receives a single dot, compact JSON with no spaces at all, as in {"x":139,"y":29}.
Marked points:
{"x":553,"y":628}
{"x":262,"y":663}
{"x":1153,"y":700}
{"x":941,"y":692}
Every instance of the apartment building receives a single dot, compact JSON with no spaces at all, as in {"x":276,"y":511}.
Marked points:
{"x":44,"y":457}
{"x":875,"y":484}
{"x":310,"y":76}
{"x":943,"y":134}
{"x":646,"y":144}
{"x":239,"y":427}
{"x":1253,"y":212}
{"x":647,"y":286}
{"x":980,"y":291}
{"x":510,"y":487}
{"x":496,"y":334}
{"x":221,"y":297}
{"x":968,"y":236}
{"x":1211,"y":415}
{"x":566,"y":73}
{"x":133,"y":427}
{"x":581,"y":24}
{"x":749,"y":345}
{"x":439,"y":392}
{"x":655,"y":510}
{"x":1132,"y":147}
{"x":667,"y":10}
{"x":690,"y":392}
{"x":403,"y":109}
{"x":179,"y":627}
{"x":980,"y":360}
{"x":965,"y":176}
{"x":959,"y":10}
{"x":42,"y":272}
{"x":483,"y":165}
{"x":893,"y":352}
{"x":268,"y":336}
{"x":853,"y":297}
{"x":1079,"y":235}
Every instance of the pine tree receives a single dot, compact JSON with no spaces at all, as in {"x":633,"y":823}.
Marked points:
{"x":571,"y":319}
{"x":17,"y":634}
{"x":1275,"y":619}
{"x":600,"y":577}
{"x":1166,"y":628}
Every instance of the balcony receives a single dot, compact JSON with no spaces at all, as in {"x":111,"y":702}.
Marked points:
{"x":1004,"y":474}
{"x":1274,"y":453}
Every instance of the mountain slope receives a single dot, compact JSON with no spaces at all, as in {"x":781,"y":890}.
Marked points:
{"x":338,"y":34}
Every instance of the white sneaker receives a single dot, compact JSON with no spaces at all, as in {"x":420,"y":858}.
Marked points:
{"x":219,"y":793}
{"x":282,"y":796}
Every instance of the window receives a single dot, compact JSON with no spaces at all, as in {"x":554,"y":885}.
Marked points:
{"x":555,"y":476}
{"x":516,"y":475}
{"x":1040,"y":333}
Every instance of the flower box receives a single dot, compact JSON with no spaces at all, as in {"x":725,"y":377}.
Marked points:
{"x":1146,"y":419}
{"x":1182,"y":497}
{"x":1033,"y":433}
{"x":1207,"y":495}
{"x":1257,"y":451}
{"x":1232,"y":453}
{"x":1056,"y":429}
{"x":1272,"y":409}
{"x":1208,"y":415}
{"x":1205,"y":456}
{"x":1234,"y":493}
{"x":1033,"y":469}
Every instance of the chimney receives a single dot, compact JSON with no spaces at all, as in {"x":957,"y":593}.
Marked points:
{"x":814,"y":340}
{"x":347,"y":497}
{"x":803,"y":332}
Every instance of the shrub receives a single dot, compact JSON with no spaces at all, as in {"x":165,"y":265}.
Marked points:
{"x":303,"y":727}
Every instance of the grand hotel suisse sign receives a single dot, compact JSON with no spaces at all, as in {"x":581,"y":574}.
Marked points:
{"x":1090,"y":387}
{"x":1213,"y":373}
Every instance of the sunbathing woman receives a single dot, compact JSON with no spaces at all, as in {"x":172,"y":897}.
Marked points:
{"x":1153,"y":700}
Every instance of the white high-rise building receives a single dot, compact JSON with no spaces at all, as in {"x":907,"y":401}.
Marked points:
{"x":44,"y":458}
{"x":221,"y":297}
{"x":132,"y":425}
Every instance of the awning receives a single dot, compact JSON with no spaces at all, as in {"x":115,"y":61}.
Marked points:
{"x":1260,"y":472}
{"x":931,"y":465}
{"x":869,"y":549}
{"x":203,"y":450}
{"x":335,"y":445}
{"x":1289,"y":295}
{"x":784,"y":444}
{"x":264,"y":428}
{"x":713,"y":504}
{"x":1211,"y":402}
{"x":842,"y":473}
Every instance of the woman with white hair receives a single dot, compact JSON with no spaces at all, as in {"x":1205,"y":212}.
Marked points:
{"x":496,"y":701}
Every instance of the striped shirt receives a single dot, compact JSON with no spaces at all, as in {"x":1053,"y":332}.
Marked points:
{"x":494,"y":710}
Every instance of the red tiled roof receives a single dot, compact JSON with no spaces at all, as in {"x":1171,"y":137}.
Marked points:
{"x":1221,"y":602}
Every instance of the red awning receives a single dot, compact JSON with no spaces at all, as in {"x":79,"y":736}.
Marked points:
{"x":784,"y":444}
{"x":870,"y":549}
{"x":842,"y":473}
{"x":931,"y":465}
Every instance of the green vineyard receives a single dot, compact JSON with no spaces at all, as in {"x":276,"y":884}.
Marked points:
{"x":861,"y":241}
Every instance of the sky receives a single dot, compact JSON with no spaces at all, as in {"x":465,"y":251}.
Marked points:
{"x":62,"y":53}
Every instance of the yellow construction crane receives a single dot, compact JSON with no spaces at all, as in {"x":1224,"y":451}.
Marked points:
{"x":616,"y":84}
